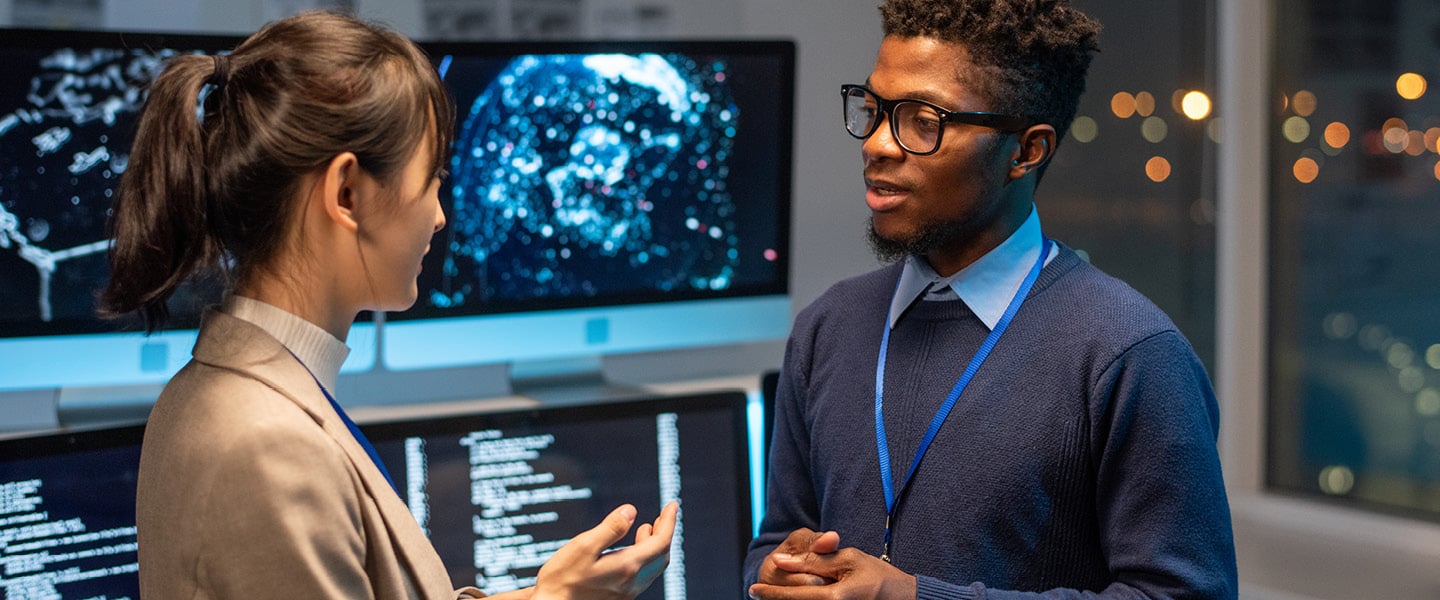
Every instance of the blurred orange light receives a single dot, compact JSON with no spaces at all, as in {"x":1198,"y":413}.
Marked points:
{"x":1410,"y":86}
{"x":1432,"y":137}
{"x":1337,"y":134}
{"x":1122,"y":104}
{"x":1415,"y":143}
{"x":1304,"y":103}
{"x":1395,"y":139}
{"x":1157,"y":169}
{"x":1437,"y":170}
{"x":1144,"y":104}
{"x":1306,"y":170}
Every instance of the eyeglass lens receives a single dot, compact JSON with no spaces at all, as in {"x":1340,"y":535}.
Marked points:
{"x":915,"y":125}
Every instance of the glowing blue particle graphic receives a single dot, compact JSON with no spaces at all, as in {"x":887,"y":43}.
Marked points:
{"x":51,"y":140}
{"x":57,"y":172}
{"x":580,"y":175}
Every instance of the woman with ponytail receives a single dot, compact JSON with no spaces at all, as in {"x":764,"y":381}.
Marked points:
{"x":302,"y":168}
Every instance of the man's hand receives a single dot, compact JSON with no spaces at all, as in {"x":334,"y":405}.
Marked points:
{"x":843,"y":574}
{"x":799,"y":542}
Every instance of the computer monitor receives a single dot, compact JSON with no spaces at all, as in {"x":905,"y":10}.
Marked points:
{"x":498,"y":493}
{"x":67,"y":514}
{"x":69,"y":103}
{"x":606,"y":197}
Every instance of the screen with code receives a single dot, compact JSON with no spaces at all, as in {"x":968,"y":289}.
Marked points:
{"x":67,"y":515}
{"x":498,"y":493}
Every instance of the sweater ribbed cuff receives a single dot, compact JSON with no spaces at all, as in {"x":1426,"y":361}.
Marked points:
{"x":929,"y":588}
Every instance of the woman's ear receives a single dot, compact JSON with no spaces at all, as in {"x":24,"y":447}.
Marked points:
{"x":1037,"y":145}
{"x":342,"y":182}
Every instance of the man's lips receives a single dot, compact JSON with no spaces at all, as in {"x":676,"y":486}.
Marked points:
{"x":882,"y":195}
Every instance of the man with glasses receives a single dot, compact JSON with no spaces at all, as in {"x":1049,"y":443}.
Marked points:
{"x":1040,"y":429}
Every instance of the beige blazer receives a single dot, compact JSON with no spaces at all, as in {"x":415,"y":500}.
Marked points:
{"x":251,"y":486}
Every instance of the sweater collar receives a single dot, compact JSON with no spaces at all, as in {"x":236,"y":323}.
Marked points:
{"x":319,"y":351}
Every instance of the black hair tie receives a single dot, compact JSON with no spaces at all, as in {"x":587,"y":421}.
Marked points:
{"x":222,"y":71}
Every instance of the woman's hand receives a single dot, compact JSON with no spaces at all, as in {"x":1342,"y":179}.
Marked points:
{"x":582,"y":569}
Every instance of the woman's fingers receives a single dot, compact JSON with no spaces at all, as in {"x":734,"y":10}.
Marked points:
{"x":612,"y":529}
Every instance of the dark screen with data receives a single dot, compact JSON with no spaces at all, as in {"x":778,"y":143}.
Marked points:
{"x":67,"y":515}
{"x":69,"y":103}
{"x":499,"y":493}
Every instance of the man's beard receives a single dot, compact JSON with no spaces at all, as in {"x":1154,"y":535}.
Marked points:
{"x":932,"y":236}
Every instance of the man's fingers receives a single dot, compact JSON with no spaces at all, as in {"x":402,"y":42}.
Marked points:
{"x":810,"y":563}
{"x":787,"y":578}
{"x":798,"y":541}
{"x":825,"y":543}
{"x":762,"y":591}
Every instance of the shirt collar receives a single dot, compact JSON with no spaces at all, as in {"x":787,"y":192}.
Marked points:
{"x":986,"y":286}
{"x":316,"y":349}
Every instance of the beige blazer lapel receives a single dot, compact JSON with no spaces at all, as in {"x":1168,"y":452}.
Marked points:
{"x":234,"y":344}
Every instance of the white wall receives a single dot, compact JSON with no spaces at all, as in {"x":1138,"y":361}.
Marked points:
{"x":154,"y":15}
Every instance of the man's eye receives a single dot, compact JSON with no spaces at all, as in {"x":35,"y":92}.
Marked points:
{"x":925,"y":125}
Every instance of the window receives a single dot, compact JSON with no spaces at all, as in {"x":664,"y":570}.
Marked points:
{"x":1132,"y":185}
{"x":1354,"y":274}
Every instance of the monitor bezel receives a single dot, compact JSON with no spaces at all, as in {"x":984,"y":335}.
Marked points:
{"x":21,"y":446}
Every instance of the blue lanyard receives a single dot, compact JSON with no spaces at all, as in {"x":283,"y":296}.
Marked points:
{"x":354,"y":429}
{"x":882,"y":446}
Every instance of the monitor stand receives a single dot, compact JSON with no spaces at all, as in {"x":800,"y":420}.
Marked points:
{"x":30,"y":410}
{"x":578,"y":380}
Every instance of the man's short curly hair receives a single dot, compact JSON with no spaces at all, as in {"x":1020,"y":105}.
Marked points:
{"x":1033,"y":54}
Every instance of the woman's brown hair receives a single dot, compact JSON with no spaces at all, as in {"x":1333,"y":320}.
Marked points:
{"x":212,"y":182}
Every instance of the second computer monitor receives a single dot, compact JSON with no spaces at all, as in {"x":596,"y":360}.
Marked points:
{"x":607,"y":197}
{"x":499,"y":493}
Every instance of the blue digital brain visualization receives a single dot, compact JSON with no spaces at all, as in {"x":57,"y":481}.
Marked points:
{"x":584,"y":175}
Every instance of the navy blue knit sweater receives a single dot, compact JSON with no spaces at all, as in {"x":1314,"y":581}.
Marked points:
{"x":1080,"y":462}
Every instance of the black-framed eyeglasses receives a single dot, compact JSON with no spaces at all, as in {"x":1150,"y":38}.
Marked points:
{"x":916,"y":124}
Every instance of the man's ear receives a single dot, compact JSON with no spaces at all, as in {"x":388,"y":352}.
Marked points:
{"x":340,"y":187}
{"x":1037,"y":145}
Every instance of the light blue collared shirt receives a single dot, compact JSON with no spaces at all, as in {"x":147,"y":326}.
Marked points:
{"x":986,"y":285}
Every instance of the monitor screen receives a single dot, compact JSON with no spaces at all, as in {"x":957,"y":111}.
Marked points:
{"x":607,"y":197}
{"x":498,"y":493}
{"x":67,"y":515}
{"x":69,"y":103}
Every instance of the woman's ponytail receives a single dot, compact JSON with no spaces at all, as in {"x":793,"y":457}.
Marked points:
{"x":159,"y":223}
